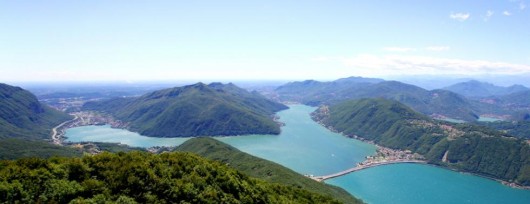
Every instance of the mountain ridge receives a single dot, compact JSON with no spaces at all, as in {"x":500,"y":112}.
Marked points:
{"x":463,"y":147}
{"x":195,"y":110}
{"x":23,"y":116}
{"x":474,"y":88}
{"x":434,"y":102}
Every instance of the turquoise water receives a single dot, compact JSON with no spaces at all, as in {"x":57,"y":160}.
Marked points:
{"x":305,"y":146}
{"x":309,"y":148}
{"x":416,"y":183}
{"x":482,"y":119}
{"x":107,"y":134}
{"x":453,"y":120}
{"x":487,"y":119}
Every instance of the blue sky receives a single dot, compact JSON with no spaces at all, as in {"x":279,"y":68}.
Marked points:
{"x":246,"y":40}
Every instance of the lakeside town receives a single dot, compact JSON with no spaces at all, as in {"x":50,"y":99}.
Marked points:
{"x":84,"y":118}
{"x":383,"y":156}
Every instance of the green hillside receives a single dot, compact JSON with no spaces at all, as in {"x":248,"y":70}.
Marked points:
{"x":22,"y":116}
{"x":520,"y":129}
{"x":435,"y":102}
{"x":138,"y":177}
{"x":260,"y":168}
{"x":521,"y":99}
{"x":516,"y":105}
{"x":195,"y":110}
{"x":12,"y":148}
{"x":464,"y":147}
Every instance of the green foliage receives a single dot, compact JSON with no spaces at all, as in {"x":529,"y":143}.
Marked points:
{"x":138,"y":177}
{"x":468,"y":147}
{"x":22,"y":116}
{"x":12,"y":148}
{"x":116,"y":147}
{"x":260,"y":168}
{"x":17,"y":148}
{"x":521,"y":98}
{"x":519,"y":129}
{"x":195,"y":110}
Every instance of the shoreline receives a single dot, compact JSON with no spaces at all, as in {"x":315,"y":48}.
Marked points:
{"x":83,"y":118}
{"x":360,"y":166}
{"x":91,"y":118}
{"x":503,"y":182}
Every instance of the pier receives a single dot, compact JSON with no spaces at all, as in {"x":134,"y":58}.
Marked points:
{"x":363,"y":166}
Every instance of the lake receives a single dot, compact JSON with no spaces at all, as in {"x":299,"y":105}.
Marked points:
{"x":417,"y":183}
{"x":308,"y":148}
{"x":488,"y":119}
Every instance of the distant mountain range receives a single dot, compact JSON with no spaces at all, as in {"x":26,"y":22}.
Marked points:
{"x":521,"y":98}
{"x":313,"y":92}
{"x":487,"y":98}
{"x":23,"y":116}
{"x":463,"y":101}
{"x":435,"y":102}
{"x":518,"y":100}
{"x":461,"y":146}
{"x":195,"y":110}
{"x":475,"y":88}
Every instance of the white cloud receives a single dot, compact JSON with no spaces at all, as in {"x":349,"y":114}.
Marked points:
{"x":489,"y":14}
{"x":522,"y":5}
{"x":506,"y":13}
{"x":438,"y":48}
{"x":399,"y":49}
{"x":459,"y":16}
{"x":372,"y":65}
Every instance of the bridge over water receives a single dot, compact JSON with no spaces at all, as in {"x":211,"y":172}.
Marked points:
{"x":363,"y":166}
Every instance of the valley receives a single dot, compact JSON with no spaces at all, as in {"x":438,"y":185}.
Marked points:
{"x":312,"y":141}
{"x":308,"y":148}
{"x":84,"y":118}
{"x":269,"y":102}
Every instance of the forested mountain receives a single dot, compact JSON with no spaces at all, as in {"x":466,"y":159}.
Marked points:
{"x":138,"y":177}
{"x":260,"y":168}
{"x":435,"y":102}
{"x":25,"y":124}
{"x":464,"y":147}
{"x":517,"y":105}
{"x":475,"y":88}
{"x":520,"y":129}
{"x":519,"y":99}
{"x":22,"y":116}
{"x":195,"y":110}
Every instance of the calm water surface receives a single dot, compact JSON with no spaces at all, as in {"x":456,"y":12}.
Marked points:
{"x":107,"y":134}
{"x":487,"y":119}
{"x":309,"y":148}
{"x":417,"y":183}
{"x":305,"y":146}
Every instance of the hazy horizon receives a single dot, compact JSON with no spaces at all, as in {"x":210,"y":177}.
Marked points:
{"x":273,"y":40}
{"x":428,"y":82}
